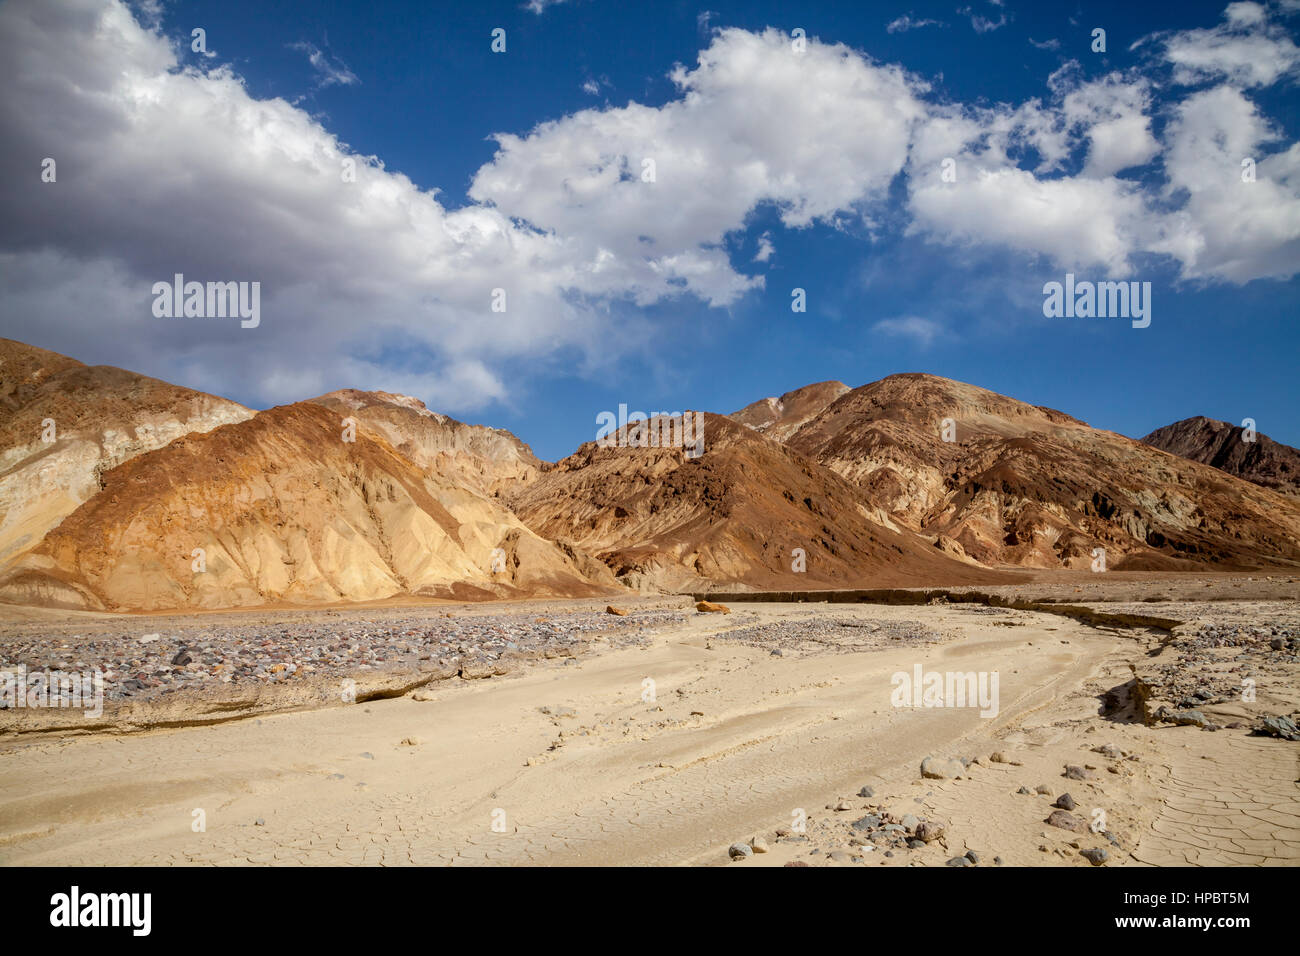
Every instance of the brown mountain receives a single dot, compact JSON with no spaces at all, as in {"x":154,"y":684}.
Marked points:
{"x":489,"y":460}
{"x":779,"y":418}
{"x":97,"y":417}
{"x":1263,"y":461}
{"x":733,"y":515}
{"x":1033,"y":487}
{"x":284,"y":509}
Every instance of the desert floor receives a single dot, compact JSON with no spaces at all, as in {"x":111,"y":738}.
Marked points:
{"x":566,"y":760}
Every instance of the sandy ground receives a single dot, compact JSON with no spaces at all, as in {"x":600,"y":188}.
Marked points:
{"x":565,"y":762}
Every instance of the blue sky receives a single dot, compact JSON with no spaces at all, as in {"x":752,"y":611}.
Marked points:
{"x":675,"y":306}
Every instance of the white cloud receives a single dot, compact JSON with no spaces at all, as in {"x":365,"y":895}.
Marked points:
{"x":541,"y":6}
{"x":811,"y":133}
{"x":921,"y":331}
{"x":982,"y":24}
{"x":330,"y":70}
{"x":166,"y":168}
{"x":906,"y":22}
{"x":1247,"y":49}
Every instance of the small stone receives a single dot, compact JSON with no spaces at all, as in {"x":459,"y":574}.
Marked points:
{"x":866,"y":793}
{"x":1066,"y":821}
{"x":610,"y":609}
{"x":1065,"y":802}
{"x":929,"y":832}
{"x":711,"y":608}
{"x":740,"y":851}
{"x":1095,"y":855}
{"x":973,"y":857}
{"x":936,"y":768}
{"x":1073,"y":772}
{"x":1025,"y":790}
{"x":959,"y":861}
{"x":758,"y":844}
{"x":259,"y":822}
{"x":1043,"y":789}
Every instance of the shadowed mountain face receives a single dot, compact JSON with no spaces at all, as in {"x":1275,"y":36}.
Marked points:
{"x":1263,"y":461}
{"x":282,"y":508}
{"x":1023,"y":485}
{"x":735,"y":514}
{"x":63,"y":424}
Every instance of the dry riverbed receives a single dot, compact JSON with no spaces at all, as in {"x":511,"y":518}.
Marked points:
{"x":768,"y":736}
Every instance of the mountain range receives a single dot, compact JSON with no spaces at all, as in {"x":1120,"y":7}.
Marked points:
{"x":122,"y":492}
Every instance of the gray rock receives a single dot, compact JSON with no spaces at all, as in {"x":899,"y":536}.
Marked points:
{"x":959,"y":861}
{"x":1078,"y":773}
{"x":1280,"y":726}
{"x":866,"y":792}
{"x":740,"y":851}
{"x":1065,"y":802}
{"x":1096,"y":855}
{"x":973,"y":857}
{"x":869,"y":822}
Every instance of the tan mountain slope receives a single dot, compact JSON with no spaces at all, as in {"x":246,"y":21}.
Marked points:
{"x":1030,"y":486}
{"x":489,"y":460}
{"x":1220,"y":445}
{"x":97,"y":418}
{"x":779,"y":418}
{"x":283,"y":509}
{"x":733,"y":515}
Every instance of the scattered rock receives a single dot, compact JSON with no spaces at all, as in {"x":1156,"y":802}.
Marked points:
{"x":610,"y":609}
{"x":928,"y":832}
{"x":1073,"y":772}
{"x":1065,"y":802}
{"x":1066,"y":821}
{"x":1095,"y":855}
{"x":740,"y":851}
{"x":710,"y":607}
{"x":1280,"y":726}
{"x":1043,"y":789}
{"x":866,"y":792}
{"x":937,"y":768}
{"x":759,"y":844}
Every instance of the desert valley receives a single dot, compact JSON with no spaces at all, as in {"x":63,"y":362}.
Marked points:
{"x":354,"y":630}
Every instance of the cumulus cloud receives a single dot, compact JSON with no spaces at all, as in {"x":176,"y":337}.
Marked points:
{"x":811,"y":134}
{"x":1247,"y":49}
{"x":369,"y":280}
